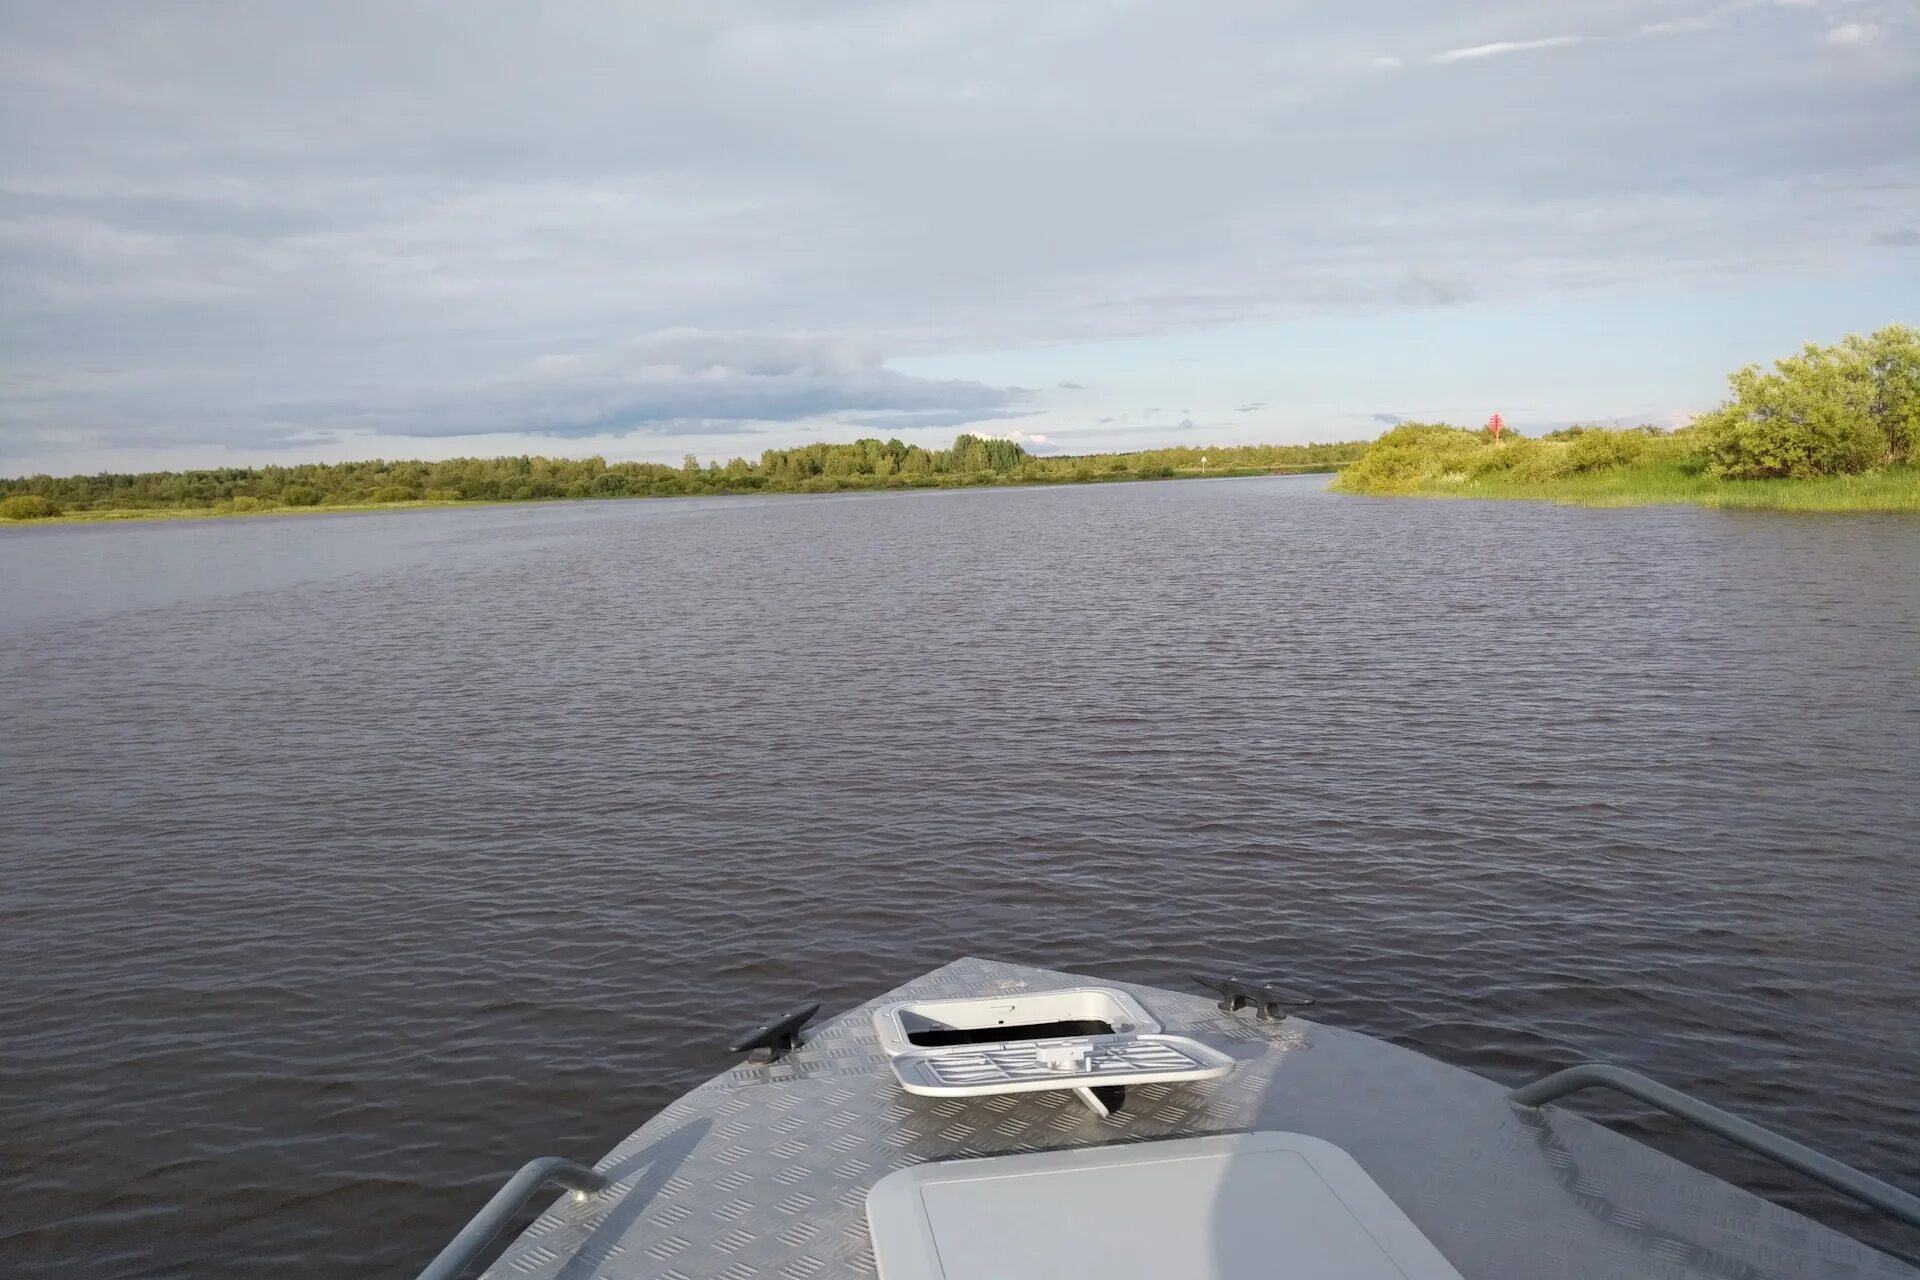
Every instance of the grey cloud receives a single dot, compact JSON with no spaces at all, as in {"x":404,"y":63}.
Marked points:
{"x":688,"y":381}
{"x":931,"y":418}
{"x":1071,"y":386}
{"x":1428,"y":291}
{"x":1898,"y":236}
{"x":675,"y":383}
{"x":165,"y":215}
{"x":1255,"y":407}
{"x":1390,"y":419}
{"x":211,"y":215}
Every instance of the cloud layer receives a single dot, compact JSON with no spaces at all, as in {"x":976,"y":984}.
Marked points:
{"x":667,"y":381}
{"x":257,"y":225}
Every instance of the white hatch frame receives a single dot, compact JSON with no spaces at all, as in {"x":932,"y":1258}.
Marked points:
{"x":1243,"y":1206}
{"x":895,"y":1024}
{"x":1133,"y":1052}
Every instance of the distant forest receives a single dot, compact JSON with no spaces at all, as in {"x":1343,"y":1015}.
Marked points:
{"x":814,"y":468}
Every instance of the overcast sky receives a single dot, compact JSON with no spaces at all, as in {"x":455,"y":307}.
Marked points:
{"x":248,"y":232}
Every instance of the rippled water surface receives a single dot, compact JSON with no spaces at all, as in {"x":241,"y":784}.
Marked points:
{"x":347,"y":862}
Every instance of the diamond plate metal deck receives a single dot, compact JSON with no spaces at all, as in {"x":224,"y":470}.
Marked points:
{"x":764,"y":1170}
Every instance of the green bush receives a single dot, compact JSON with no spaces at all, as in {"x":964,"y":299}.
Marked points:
{"x":28,"y":506}
{"x":1892,"y":357}
{"x":1544,"y":462}
{"x":1411,"y":455}
{"x":1833,"y":410}
{"x":391,"y":493}
{"x":1498,"y":461}
{"x":1599,"y":448}
{"x":300,"y":495}
{"x":1420,"y":456}
{"x":1522,"y":461}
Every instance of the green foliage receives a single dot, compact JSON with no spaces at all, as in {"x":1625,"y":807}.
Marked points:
{"x":1426,"y":457}
{"x":1829,"y":411}
{"x":1523,"y":461}
{"x":1413,"y":454}
{"x":1836,"y":410}
{"x":1538,"y":464}
{"x":1650,"y":483}
{"x":1892,"y":356}
{"x":28,"y":506}
{"x":1596,"y":450}
{"x":813,"y":468}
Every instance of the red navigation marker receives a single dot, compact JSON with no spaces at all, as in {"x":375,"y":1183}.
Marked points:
{"x":1495,"y":425}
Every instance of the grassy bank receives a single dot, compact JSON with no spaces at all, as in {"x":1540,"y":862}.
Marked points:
{"x":1598,"y":467}
{"x":1677,"y":484}
{"x":1671,"y":484}
{"x":1833,"y":428}
{"x":382,"y":486}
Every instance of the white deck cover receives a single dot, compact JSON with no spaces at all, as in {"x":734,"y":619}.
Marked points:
{"x":1231,"y":1207}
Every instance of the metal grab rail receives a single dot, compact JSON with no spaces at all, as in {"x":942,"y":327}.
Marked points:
{"x":1884,"y":1196}
{"x":499,"y":1211}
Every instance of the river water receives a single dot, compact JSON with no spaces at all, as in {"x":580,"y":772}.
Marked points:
{"x":348,"y":862}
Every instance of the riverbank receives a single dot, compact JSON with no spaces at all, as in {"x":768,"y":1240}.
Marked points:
{"x":1108,"y":473}
{"x":1600,"y":467}
{"x":1670,"y":484}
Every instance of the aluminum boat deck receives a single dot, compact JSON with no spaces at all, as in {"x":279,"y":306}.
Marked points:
{"x":764,"y":1170}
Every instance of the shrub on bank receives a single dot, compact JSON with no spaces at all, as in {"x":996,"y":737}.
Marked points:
{"x":1523,"y":461}
{"x":1597,"y":449}
{"x":1422,"y":455}
{"x":28,"y":506}
{"x":1410,"y":455}
{"x":1829,"y":411}
{"x":1836,"y":410}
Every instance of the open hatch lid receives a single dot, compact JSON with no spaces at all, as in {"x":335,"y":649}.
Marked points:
{"x":1230,"y":1207}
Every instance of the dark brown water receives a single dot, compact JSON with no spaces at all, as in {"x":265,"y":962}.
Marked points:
{"x":349,"y":862}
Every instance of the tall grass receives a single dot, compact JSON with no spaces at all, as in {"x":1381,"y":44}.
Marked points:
{"x":1671,"y":484}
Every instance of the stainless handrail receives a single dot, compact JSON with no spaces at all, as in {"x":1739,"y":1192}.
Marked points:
{"x":499,"y":1211}
{"x":1884,"y":1196}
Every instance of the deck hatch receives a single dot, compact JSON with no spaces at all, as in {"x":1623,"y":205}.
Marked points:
{"x":1231,"y":1207}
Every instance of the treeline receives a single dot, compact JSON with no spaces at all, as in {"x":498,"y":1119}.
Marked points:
{"x":1840,"y":410}
{"x":814,"y":468}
